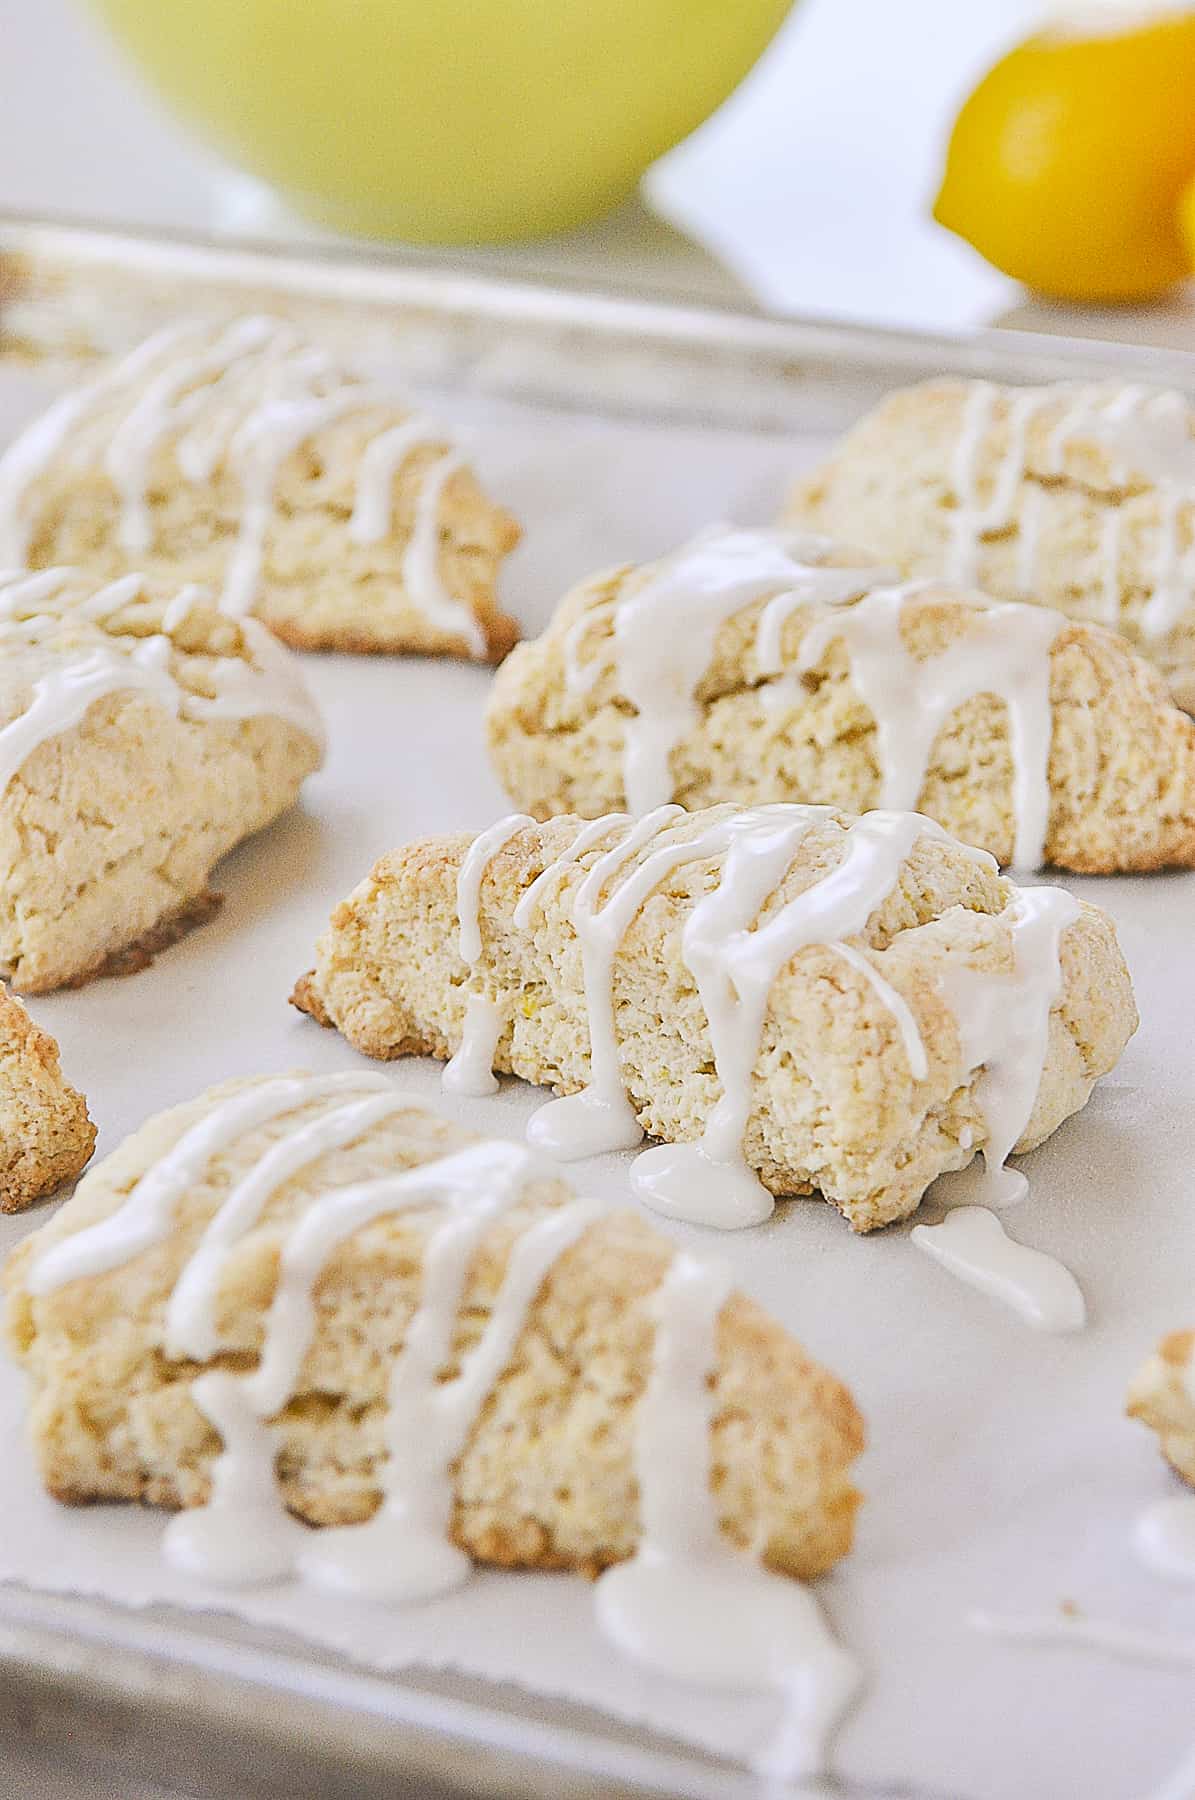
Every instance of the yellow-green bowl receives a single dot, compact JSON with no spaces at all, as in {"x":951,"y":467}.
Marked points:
{"x":446,"y":121}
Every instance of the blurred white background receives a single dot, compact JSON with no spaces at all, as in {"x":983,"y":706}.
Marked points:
{"x":811,"y":186}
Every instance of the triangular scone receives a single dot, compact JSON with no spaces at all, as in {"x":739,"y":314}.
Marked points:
{"x":853,"y":994}
{"x":758,"y":665}
{"x":114,"y":1327}
{"x":1163,"y":1397}
{"x":46,"y":1136}
{"x":243,"y":457}
{"x":1076,"y":497}
{"x":142,"y":735}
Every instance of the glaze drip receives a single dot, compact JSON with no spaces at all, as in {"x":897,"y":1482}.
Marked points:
{"x":686,"y":1603}
{"x":471,"y":1069}
{"x":735,"y":944}
{"x":666,"y":625}
{"x":665,"y":628}
{"x":973,"y":1244}
{"x":733,"y":959}
{"x":1004,"y":1024}
{"x":1005,"y":651}
{"x":736,"y":957}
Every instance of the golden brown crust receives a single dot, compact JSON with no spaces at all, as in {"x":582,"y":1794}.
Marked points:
{"x":46,"y":1136}
{"x":836,"y":1108}
{"x":501,"y":636}
{"x":547,"y":1477}
{"x":1122,"y":756}
{"x":305,"y":999}
{"x":131,"y":959}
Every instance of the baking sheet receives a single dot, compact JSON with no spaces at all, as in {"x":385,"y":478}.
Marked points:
{"x":1001,"y":1473}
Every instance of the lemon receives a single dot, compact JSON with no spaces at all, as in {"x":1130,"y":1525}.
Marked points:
{"x":1066,"y":165}
{"x":1186,"y":221}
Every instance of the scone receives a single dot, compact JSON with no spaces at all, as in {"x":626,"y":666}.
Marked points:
{"x":243,"y":457}
{"x":142,"y":735}
{"x":793,"y":1000}
{"x":1077,"y":497}
{"x":1163,"y":1397}
{"x":443,"y":1339}
{"x":46,"y":1136}
{"x":764,"y":665}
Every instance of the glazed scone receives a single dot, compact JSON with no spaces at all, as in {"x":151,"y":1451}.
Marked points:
{"x":761,"y":665}
{"x":114,"y":1327}
{"x":1163,"y":1397}
{"x":46,"y":1136}
{"x":802,"y":1000}
{"x":243,"y":457}
{"x":142,"y":735}
{"x":1080,"y":498}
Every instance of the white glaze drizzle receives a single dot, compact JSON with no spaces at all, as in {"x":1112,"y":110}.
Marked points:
{"x":469,"y":1188}
{"x":665,"y":629}
{"x":735,"y":968}
{"x":381,"y":460}
{"x":190,"y":1325}
{"x":736,"y":962}
{"x":974,"y":519}
{"x":271,"y":684}
{"x":471,"y":1069}
{"x":1151,"y":435}
{"x":897,"y":1005}
{"x":272,"y":432}
{"x":117,"y":594}
{"x":601,"y":1116}
{"x":1003,"y":1019}
{"x":1146,"y":432}
{"x":255,"y":392}
{"x":686,"y":1603}
{"x":551,"y":876}
{"x":28,"y":457}
{"x":477,"y":859}
{"x":131,"y":448}
{"x":19,"y":591}
{"x":972,"y":1243}
{"x":146,"y":1214}
{"x":63,"y":696}
{"x":580,"y":673}
{"x":666,"y":626}
{"x":759,"y":1629}
{"x":403,"y":1552}
{"x":421,"y":560}
{"x":832,"y":588}
{"x":1005,"y":651}
{"x":1004,"y":1024}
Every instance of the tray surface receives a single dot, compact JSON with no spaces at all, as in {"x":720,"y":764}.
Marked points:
{"x":1001,"y":1474}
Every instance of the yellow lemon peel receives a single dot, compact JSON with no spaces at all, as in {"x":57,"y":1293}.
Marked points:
{"x":1067,"y":164}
